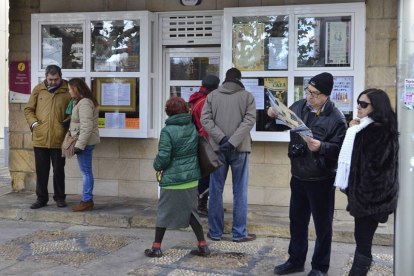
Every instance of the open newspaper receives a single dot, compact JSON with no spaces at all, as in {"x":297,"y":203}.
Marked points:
{"x":287,"y":117}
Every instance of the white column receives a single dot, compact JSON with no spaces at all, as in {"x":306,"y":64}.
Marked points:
{"x":4,"y":82}
{"x":404,"y":226}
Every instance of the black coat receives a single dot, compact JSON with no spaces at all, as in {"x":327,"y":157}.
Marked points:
{"x":373,"y":179}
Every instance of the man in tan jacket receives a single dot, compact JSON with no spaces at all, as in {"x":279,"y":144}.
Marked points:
{"x":45,"y":112}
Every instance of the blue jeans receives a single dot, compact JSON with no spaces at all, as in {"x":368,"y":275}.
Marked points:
{"x":239,"y":163}
{"x":85,"y":166}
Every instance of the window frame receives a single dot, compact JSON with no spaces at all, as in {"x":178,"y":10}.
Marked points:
{"x":145,"y":75}
{"x":357,"y":59}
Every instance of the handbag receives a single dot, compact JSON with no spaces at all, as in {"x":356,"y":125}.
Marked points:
{"x":68,"y":146}
{"x":207,"y":158}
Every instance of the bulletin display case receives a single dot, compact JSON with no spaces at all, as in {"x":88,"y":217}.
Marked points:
{"x":113,"y":53}
{"x":278,"y":49}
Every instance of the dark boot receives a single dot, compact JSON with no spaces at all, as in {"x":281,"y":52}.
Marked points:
{"x":202,"y":206}
{"x":361,"y":265}
{"x":202,"y":250}
{"x":153,"y":252}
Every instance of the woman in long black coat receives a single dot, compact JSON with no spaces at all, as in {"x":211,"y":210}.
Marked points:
{"x":368,"y":171}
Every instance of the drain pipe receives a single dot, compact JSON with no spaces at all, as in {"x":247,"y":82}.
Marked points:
{"x":404,"y":224}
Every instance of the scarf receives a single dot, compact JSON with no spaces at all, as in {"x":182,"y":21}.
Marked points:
{"x":70,"y":107}
{"x":52,"y":89}
{"x":345,"y":155}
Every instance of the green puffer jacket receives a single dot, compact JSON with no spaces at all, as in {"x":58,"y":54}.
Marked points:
{"x":177,"y":151}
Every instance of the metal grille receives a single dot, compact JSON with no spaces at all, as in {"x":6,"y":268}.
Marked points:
{"x":191,"y":29}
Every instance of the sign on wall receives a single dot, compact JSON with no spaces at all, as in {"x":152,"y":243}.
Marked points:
{"x":19,"y":81}
{"x":190,"y":2}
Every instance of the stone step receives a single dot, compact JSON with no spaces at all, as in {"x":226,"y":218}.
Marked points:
{"x":264,"y":221}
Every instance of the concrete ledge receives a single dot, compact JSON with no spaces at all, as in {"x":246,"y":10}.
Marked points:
{"x":265,"y":221}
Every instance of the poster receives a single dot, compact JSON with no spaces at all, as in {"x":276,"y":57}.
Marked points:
{"x":250,"y":82}
{"x":132,"y":123}
{"x":52,"y":51}
{"x":278,"y":53}
{"x":342,"y":93}
{"x":186,"y":92}
{"x":409,"y":93}
{"x":248,"y":47}
{"x":19,"y":74}
{"x":337,"y":45}
{"x":278,"y":88}
{"x":118,"y":94}
{"x":115,"y":120}
{"x":258,"y":94}
{"x":101,"y":122}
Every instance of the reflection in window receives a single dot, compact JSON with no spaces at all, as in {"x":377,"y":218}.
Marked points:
{"x":62,"y":45}
{"x":324,"y":42}
{"x":193,"y":68}
{"x":115,"y":46}
{"x":260,"y":43}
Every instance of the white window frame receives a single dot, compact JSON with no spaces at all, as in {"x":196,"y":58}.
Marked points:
{"x":145,"y":75}
{"x":357,"y":59}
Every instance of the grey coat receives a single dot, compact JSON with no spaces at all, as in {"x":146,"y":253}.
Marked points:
{"x":84,"y":123}
{"x":229,"y":111}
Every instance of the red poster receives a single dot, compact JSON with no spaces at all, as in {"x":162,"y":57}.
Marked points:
{"x":19,"y":81}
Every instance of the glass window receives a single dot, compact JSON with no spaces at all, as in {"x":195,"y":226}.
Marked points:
{"x":63,"y":77}
{"x":115,"y":46}
{"x":193,"y":68}
{"x":118,"y":100}
{"x":62,"y":45}
{"x":183,"y":91}
{"x":324,"y":41}
{"x":260,"y":43}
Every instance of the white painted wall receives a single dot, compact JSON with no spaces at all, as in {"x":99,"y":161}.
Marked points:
{"x":4,"y":72}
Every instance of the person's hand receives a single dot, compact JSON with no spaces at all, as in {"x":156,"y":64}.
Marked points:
{"x":354,"y":122}
{"x":271,"y":112}
{"x":313,"y":144}
{"x":78,"y":150}
{"x":224,"y":140}
{"x":226,"y":147}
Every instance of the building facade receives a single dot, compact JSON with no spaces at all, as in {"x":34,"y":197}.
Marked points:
{"x":158,"y":59}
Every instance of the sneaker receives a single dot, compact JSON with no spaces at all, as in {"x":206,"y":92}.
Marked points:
{"x":248,"y":238}
{"x":211,"y":238}
{"x":37,"y":205}
{"x":153,"y":252}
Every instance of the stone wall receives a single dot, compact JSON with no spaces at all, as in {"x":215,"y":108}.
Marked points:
{"x":123,"y":167}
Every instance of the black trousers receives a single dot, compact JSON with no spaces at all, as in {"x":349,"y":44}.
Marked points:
{"x":365,"y":228}
{"x":43,"y":157}
{"x":316,"y":198}
{"x":203,"y":184}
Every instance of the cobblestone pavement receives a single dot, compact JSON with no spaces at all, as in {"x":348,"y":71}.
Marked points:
{"x":39,"y":248}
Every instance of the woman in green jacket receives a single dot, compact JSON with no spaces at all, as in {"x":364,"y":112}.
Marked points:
{"x":178,"y":173}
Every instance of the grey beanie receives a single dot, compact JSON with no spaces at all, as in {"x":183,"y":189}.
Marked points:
{"x":210,"y":82}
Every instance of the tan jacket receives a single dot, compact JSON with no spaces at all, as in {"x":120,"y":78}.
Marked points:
{"x":229,"y":111}
{"x":84,"y":123}
{"x":49,"y":110}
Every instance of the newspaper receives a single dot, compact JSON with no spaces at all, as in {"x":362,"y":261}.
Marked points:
{"x":287,"y":117}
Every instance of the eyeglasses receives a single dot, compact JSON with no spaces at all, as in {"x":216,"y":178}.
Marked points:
{"x":363,"y":104}
{"x":313,"y":93}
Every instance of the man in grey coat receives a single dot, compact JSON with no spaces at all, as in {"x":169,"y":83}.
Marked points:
{"x":228,"y":116}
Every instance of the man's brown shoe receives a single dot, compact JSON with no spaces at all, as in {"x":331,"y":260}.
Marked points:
{"x":83,"y":206}
{"x":248,"y":238}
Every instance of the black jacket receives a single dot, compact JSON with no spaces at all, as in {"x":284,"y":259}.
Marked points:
{"x":329,"y":128}
{"x":373,"y":179}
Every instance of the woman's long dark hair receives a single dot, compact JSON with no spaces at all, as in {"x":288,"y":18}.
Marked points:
{"x":82,"y":90}
{"x":383,"y":112}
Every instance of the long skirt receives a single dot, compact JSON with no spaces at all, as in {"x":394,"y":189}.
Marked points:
{"x":175,"y":208}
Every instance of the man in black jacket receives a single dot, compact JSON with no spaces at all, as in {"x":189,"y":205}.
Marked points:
{"x":313,"y":167}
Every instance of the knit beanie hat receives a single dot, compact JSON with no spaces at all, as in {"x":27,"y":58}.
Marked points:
{"x":323,"y":82}
{"x":210,"y":82}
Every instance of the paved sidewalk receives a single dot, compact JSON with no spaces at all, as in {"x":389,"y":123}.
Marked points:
{"x":5,"y":186}
{"x":265,"y":221}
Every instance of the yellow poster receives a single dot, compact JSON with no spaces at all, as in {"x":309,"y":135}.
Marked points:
{"x":248,"y":47}
{"x":278,"y":87}
{"x":101,"y":123}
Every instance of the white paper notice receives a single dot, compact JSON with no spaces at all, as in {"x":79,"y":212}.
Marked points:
{"x":115,"y":120}
{"x":250,"y":82}
{"x":213,"y":60}
{"x":186,"y":92}
{"x":116,"y":94}
{"x":258,"y":94}
{"x":278,"y":53}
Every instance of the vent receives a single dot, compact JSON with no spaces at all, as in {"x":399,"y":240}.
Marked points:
{"x":191,"y":30}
